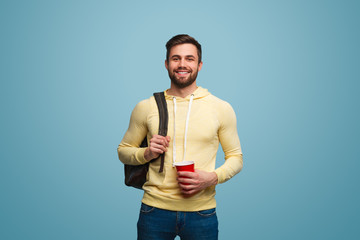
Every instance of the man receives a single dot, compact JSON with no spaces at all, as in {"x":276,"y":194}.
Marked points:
{"x":182,"y":203}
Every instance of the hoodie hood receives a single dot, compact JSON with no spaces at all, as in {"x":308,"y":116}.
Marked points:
{"x":198,"y":94}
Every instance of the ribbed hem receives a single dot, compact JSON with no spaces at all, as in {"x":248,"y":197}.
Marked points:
{"x":184,"y":205}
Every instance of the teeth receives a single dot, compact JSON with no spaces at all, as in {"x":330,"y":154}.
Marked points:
{"x":182,"y":72}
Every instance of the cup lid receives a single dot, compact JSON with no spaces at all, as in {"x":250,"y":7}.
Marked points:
{"x":184,"y":163}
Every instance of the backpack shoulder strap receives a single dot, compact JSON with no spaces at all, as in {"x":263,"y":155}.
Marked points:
{"x":163,"y":120}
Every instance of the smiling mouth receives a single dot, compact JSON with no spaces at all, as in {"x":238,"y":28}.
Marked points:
{"x":182,"y":73}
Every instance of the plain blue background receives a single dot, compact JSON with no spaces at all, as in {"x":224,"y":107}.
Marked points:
{"x":72,"y":71}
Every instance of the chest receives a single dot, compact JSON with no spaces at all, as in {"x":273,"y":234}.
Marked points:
{"x":202,"y":125}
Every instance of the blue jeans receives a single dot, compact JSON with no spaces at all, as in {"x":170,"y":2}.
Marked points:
{"x":160,"y":224}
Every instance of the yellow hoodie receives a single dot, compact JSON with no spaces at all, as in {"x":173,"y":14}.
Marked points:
{"x":208,"y":121}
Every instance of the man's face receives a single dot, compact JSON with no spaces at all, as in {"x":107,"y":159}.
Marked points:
{"x":183,"y":65}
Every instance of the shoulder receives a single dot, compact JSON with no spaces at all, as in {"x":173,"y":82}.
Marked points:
{"x":143,"y":108}
{"x":220,"y":105}
{"x":145,"y":104}
{"x":223,"y":110}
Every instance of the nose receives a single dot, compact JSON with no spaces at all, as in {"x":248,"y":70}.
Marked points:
{"x":182,"y":63}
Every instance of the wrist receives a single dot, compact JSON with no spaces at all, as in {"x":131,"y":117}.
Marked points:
{"x":147,"y":154}
{"x":214,"y":179}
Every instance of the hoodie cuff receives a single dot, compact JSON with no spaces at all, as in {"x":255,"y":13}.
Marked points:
{"x":221,"y":175}
{"x":139,"y":156}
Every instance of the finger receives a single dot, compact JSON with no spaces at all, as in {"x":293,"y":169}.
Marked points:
{"x":157,"y":149}
{"x":155,"y":153}
{"x":156,"y":140}
{"x":166,"y":139}
{"x":188,"y":191}
{"x":186,"y":186}
{"x":187,"y":181}
{"x":186,"y":174}
{"x":158,"y":146}
{"x":161,"y":141}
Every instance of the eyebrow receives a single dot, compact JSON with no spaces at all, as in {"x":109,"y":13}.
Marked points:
{"x":187,"y":56}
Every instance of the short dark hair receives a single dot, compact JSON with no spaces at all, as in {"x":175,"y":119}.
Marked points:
{"x":181,"y":39}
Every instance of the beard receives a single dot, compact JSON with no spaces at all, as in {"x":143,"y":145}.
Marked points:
{"x":183,"y":82}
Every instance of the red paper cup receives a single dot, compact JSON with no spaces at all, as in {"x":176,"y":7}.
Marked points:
{"x":187,"y":166}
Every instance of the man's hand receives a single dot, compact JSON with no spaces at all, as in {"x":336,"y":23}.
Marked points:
{"x":196,"y":181}
{"x":158,"y":145}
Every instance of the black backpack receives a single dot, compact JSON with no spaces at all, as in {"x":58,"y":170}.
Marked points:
{"x":135,"y":175}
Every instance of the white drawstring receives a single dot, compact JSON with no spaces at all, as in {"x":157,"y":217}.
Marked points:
{"x":187,"y":123}
{"x":186,"y":128}
{"x":174,"y":145}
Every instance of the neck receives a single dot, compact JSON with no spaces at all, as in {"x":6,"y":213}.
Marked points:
{"x":181,"y":92}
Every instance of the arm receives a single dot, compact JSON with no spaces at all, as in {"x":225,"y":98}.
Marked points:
{"x":230,"y":144}
{"x":129,"y":150}
{"x":193,"y":182}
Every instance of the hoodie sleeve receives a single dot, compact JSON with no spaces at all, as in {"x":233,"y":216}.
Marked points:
{"x":230,"y":143}
{"x":129,"y":150}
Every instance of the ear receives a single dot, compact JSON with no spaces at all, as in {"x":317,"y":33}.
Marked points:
{"x":200,"y":65}
{"x":166,"y":65}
